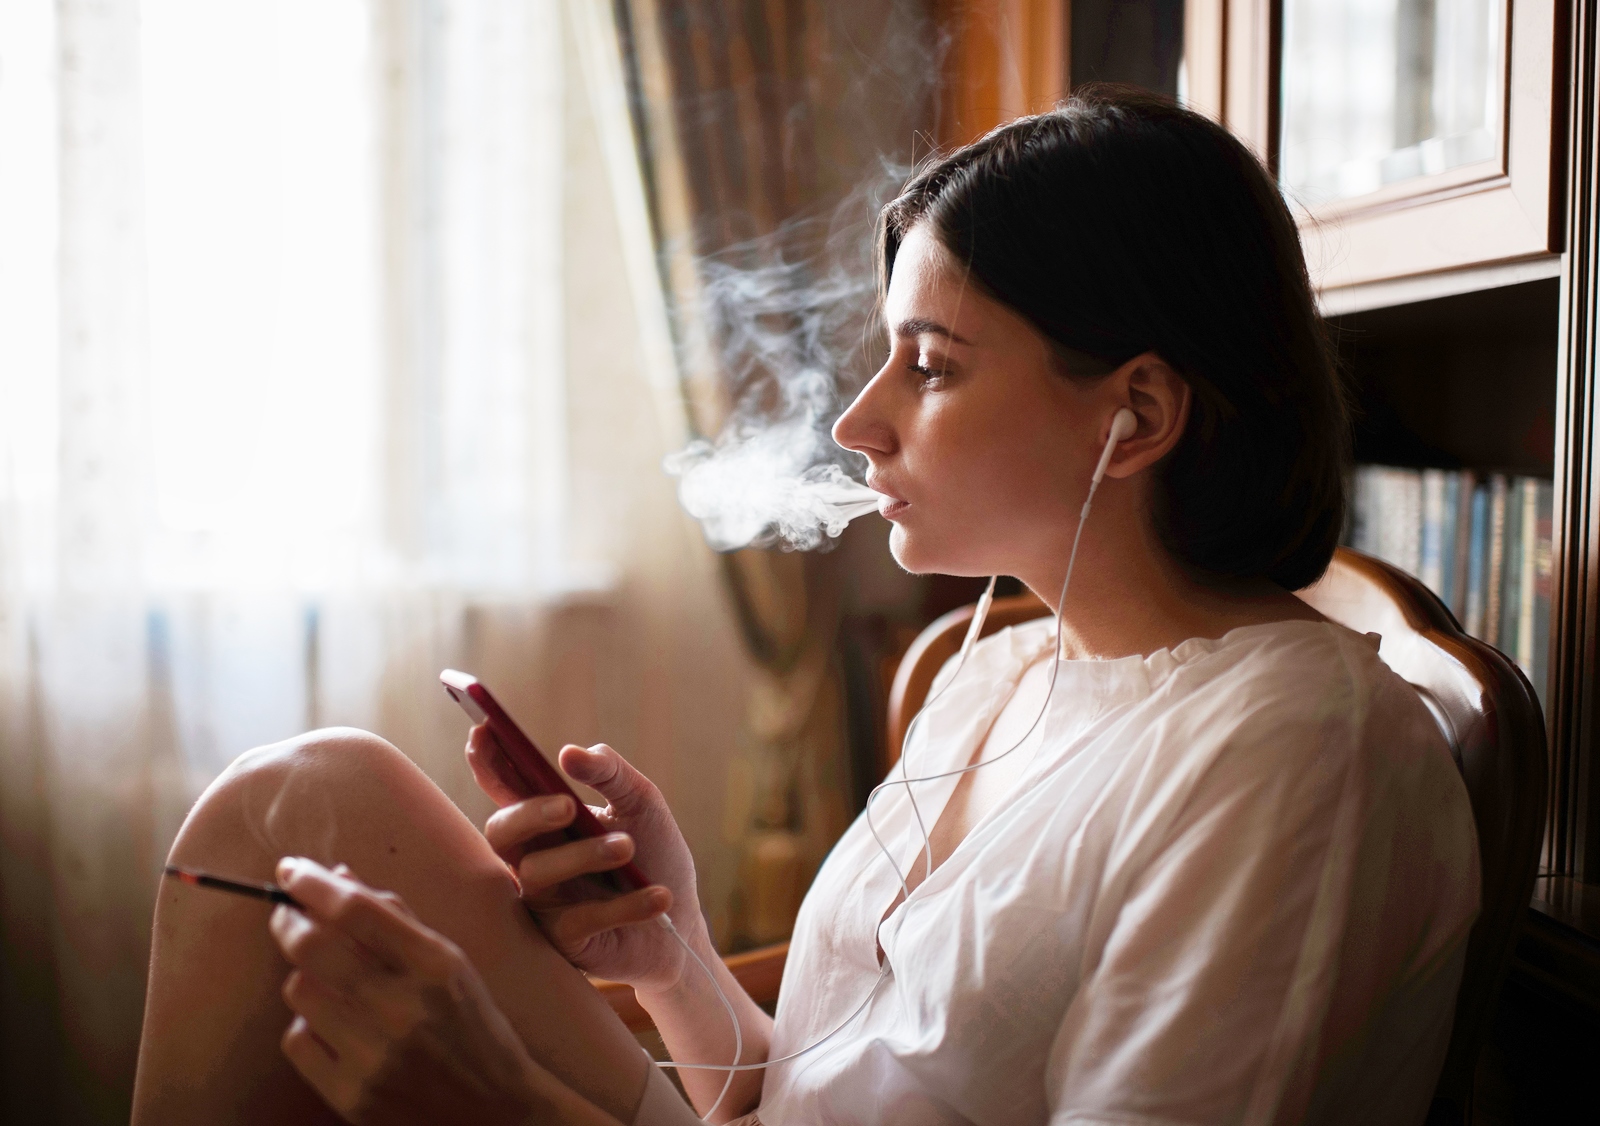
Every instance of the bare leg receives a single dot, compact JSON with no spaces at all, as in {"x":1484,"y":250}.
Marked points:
{"x":213,"y":1018}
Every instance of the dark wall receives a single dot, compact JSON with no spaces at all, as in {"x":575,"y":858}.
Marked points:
{"x":1139,"y":42}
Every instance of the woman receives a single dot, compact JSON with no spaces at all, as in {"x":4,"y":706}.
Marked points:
{"x":1227,"y":873}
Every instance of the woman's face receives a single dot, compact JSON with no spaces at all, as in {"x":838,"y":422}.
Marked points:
{"x":984,"y":445}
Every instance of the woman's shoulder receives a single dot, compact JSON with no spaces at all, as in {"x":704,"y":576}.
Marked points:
{"x":1273,"y":697}
{"x":1296,"y":667}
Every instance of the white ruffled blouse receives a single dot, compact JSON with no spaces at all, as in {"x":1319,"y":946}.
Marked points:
{"x":1233,"y":885}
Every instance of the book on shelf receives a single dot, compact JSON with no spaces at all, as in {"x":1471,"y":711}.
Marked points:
{"x":1480,"y":541}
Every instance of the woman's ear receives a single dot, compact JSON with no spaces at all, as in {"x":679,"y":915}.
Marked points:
{"x":1159,"y":398}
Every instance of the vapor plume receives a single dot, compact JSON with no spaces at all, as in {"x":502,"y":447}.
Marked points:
{"x":788,"y":316}
{"x":773,"y":484}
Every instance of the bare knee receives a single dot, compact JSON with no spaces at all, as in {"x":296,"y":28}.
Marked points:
{"x":340,"y":757}
{"x":289,"y":798}
{"x":339,"y":795}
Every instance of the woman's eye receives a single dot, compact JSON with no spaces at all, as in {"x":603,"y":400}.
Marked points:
{"x":928,"y":369}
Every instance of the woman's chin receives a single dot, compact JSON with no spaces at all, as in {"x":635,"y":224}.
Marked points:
{"x":920,"y":554}
{"x":903,"y":546}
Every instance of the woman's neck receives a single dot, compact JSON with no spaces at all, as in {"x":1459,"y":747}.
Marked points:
{"x":1129,"y":596}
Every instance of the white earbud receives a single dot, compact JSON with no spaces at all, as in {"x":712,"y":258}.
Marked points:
{"x":1123,"y":424}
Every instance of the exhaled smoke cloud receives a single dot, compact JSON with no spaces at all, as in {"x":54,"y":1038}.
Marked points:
{"x":773,"y":483}
{"x":789,"y":334}
{"x":786,"y":313}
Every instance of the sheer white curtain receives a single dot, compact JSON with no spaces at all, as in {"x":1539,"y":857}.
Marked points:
{"x":330,"y":354}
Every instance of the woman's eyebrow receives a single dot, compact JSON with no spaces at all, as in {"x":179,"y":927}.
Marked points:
{"x":919,"y":327}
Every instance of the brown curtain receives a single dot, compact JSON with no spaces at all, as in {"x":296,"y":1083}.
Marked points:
{"x":766,"y":129}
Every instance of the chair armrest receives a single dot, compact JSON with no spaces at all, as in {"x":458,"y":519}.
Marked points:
{"x":759,"y":971}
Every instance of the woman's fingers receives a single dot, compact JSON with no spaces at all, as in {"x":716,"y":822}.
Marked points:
{"x":509,"y":830}
{"x":329,"y":961}
{"x":344,"y":1029}
{"x":329,"y":1042}
{"x":569,"y":928}
{"x":392,"y":1023}
{"x":323,"y":950}
{"x":482,"y":754}
{"x":312,"y":1057}
{"x":337,"y":963}
{"x":340,"y":1077}
{"x":542,"y":870}
{"x":600,"y":767}
{"x":376,"y":920}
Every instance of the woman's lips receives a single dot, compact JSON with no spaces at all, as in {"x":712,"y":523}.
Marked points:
{"x":889,"y":505}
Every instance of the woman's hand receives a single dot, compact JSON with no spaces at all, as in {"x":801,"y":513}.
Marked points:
{"x":600,"y":934}
{"x":392,"y":1024}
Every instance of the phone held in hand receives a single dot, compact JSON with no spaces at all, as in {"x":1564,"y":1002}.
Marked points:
{"x":524,"y":771}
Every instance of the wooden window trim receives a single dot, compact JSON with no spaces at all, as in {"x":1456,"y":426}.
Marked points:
{"x":1573,"y":847}
{"x":1005,"y":58}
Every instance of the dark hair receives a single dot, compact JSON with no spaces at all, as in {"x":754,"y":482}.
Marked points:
{"x":1119,"y":223}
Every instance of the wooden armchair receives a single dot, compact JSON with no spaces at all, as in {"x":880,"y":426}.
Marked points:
{"x":1491,"y":719}
{"x":1482,"y":702}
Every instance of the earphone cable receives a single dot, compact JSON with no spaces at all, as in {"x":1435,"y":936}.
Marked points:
{"x":738,"y":1026}
{"x":976,"y":627}
{"x":1044,"y":707}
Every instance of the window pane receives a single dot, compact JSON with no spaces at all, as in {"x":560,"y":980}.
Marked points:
{"x":1380,"y":91}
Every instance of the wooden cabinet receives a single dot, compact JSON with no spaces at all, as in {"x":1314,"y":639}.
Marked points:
{"x":1442,"y":155}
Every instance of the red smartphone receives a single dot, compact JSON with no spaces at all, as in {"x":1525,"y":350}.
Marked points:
{"x":526,"y":772}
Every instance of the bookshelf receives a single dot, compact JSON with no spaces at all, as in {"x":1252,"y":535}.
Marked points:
{"x":1503,"y":381}
{"x":1480,"y":541}
{"x":1455,"y":411}
{"x":1473,"y":440}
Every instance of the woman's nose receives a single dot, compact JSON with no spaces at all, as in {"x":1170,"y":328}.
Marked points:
{"x":863,"y":427}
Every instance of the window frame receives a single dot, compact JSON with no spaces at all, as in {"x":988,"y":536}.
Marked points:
{"x":1505,"y":209}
